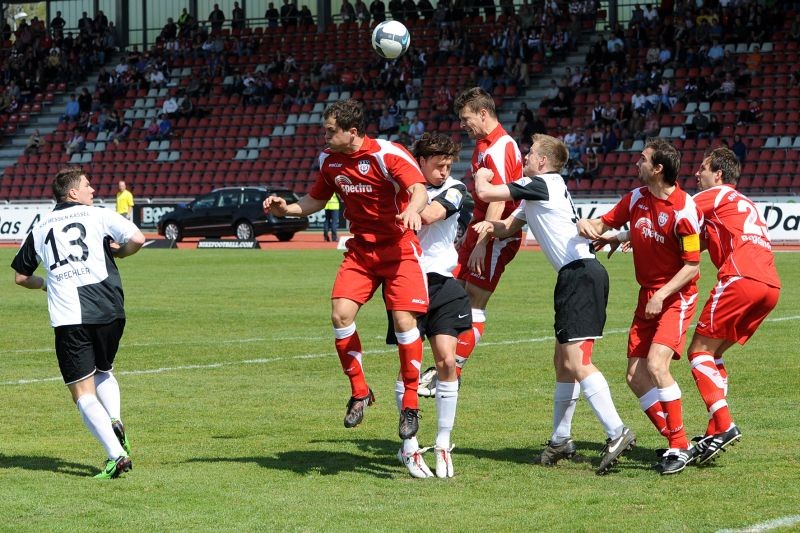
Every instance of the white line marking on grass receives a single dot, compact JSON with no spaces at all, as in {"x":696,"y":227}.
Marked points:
{"x":786,"y":521}
{"x":261,"y":361}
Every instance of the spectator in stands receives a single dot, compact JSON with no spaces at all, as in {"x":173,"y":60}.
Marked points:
{"x":425,"y":9}
{"x":635,"y":126}
{"x":610,"y":140}
{"x":575,"y":142}
{"x":752,"y":114}
{"x":378,"y":10}
{"x":85,"y":25}
{"x":272,"y":15}
{"x":592,"y":165}
{"x":416,"y":127}
{"x":410,"y":10}
{"x":216,"y":18}
{"x":35,"y":143}
{"x":609,"y":114}
{"x":170,"y":106}
{"x":651,"y":125}
{"x":305,"y":16}
{"x":726,"y":90}
{"x":121,"y":130}
{"x":443,"y":103}
{"x":387,"y":124}
{"x":560,"y":107}
{"x":715,"y":53}
{"x":536,"y":126}
{"x":237,"y":17}
{"x":739,"y":148}
{"x":288,"y":14}
{"x":57,"y":25}
{"x":75,"y":143}
{"x":155,"y":77}
{"x":596,"y":138}
{"x":72,"y":110}
{"x":347,"y":12}
{"x":714,"y":127}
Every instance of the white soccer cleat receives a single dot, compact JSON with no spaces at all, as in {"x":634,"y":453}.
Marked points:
{"x":415,"y":463}
{"x":427,"y":383}
{"x":444,"y":462}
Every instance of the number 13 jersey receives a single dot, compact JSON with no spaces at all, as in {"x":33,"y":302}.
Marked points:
{"x":83,"y":283}
{"x":736,"y":235}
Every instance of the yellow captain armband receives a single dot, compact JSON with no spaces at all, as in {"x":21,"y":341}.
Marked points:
{"x":690,"y":243}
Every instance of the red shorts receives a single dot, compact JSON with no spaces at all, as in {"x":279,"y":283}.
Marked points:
{"x":736,"y":308}
{"x":499,"y":253}
{"x":668,"y":328}
{"x":395,"y":265}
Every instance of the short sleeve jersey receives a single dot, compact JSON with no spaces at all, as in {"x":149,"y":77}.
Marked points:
{"x":548,"y":209}
{"x":664,"y":233}
{"x":736,"y":235}
{"x":372,"y":182}
{"x":83,"y":283}
{"x":439,"y":254}
{"x":499,"y":153}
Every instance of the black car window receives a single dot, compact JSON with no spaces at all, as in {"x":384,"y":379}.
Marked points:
{"x":228,"y":199}
{"x":204,"y":202}
{"x":254,"y":196}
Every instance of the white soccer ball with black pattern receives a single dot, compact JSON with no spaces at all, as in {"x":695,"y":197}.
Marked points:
{"x":390,"y":39}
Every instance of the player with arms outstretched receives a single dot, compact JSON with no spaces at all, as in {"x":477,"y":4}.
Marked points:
{"x":580,"y":295}
{"x":384,"y":191}
{"x":747,"y":289}
{"x":77,"y":244}
{"x":664,"y":234}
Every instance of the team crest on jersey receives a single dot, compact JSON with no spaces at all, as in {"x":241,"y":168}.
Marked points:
{"x":662,"y":219}
{"x":363,"y":166}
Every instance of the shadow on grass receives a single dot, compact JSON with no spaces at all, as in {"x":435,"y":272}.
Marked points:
{"x":377,"y":460}
{"x":49,"y":464}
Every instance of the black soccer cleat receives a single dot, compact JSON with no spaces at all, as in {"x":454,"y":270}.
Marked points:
{"x":718,"y":443}
{"x":614,"y":449}
{"x":409,"y":423}
{"x":355,"y":409}
{"x":553,"y":453}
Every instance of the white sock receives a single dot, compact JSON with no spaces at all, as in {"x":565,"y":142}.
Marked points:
{"x":565,"y":398}
{"x":108,"y":393}
{"x":99,"y":423}
{"x":595,"y":390}
{"x":446,"y":400}
{"x":399,"y":391}
{"x":410,"y":445}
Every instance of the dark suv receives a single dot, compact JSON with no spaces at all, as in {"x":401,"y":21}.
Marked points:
{"x":234,"y":211}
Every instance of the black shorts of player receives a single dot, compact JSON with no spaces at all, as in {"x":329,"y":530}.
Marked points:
{"x":83,"y":349}
{"x":580,"y":300}
{"x":449,"y":311}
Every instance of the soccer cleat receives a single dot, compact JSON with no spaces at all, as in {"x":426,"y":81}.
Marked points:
{"x":427,"y":383}
{"x":409,"y":423}
{"x":555,"y":452}
{"x":415,"y":463}
{"x":444,"y":462}
{"x":614,"y":448}
{"x":355,"y":409}
{"x":676,"y":459}
{"x":115,"y":467}
{"x":119,"y":431}
{"x":718,"y":443}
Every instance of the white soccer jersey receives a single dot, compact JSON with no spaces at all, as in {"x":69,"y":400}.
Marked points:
{"x":438,"y":251}
{"x":548,"y":209}
{"x":83,"y":283}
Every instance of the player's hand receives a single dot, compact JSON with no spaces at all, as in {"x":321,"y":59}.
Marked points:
{"x":612,"y":242}
{"x":275,"y":205}
{"x":484,"y":228}
{"x":476,"y":258}
{"x":586,"y":229}
{"x":410,"y":219}
{"x":654,"y":306}
{"x":483,"y":174}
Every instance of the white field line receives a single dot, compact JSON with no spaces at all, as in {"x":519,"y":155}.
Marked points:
{"x":267,"y":360}
{"x":786,"y":521}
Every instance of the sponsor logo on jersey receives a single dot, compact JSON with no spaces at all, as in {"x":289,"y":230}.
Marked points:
{"x":363,"y":166}
{"x":662,"y":219}
{"x":418,"y":301}
{"x":646,"y":227}
{"x":348,"y":187}
{"x":335,"y":165}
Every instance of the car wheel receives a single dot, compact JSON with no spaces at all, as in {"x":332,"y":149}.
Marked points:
{"x":172,"y":231}
{"x":244,"y":231}
{"x":283,"y":237}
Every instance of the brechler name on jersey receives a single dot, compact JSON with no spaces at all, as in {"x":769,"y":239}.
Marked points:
{"x":71,"y":274}
{"x":347,"y":187}
{"x":643,"y":225}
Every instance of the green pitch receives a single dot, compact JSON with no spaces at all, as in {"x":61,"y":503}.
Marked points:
{"x":233,"y":399}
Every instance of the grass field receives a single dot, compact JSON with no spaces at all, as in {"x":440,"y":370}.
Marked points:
{"x":233,"y":398}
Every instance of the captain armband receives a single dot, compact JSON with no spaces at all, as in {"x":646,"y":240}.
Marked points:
{"x":690,"y":243}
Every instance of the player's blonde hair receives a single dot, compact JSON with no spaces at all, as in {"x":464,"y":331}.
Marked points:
{"x":553,"y":149}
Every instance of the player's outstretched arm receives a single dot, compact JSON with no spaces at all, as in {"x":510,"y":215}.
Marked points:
{"x":613,"y":241}
{"x":410,"y":217}
{"x":305,"y":206}
{"x":487,"y":191}
{"x":133,"y":245}
{"x":591,"y":228}
{"x":499,"y":228}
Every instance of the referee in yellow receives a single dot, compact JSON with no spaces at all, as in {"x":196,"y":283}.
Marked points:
{"x":124,"y":201}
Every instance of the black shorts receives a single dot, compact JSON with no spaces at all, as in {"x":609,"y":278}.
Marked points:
{"x":84,"y":349}
{"x":580,"y":300}
{"x":449,"y":311}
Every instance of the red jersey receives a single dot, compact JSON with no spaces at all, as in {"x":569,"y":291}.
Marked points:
{"x":736,"y":235}
{"x":664,"y":233}
{"x":373,"y":182}
{"x":499,"y":153}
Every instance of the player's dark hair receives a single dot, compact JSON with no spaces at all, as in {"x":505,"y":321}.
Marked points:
{"x":725,"y":160}
{"x":667,"y":156}
{"x":433,"y":144}
{"x":347,"y":114}
{"x":475,"y":99}
{"x":66,"y":179}
{"x":552,"y":148}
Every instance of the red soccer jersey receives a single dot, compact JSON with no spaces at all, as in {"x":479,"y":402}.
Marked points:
{"x":499,"y":153}
{"x":736,"y":235}
{"x":373,"y":183}
{"x":664,"y":233}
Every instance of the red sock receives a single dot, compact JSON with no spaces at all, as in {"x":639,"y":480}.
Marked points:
{"x":467,"y":341}
{"x":410,"y":364}
{"x":658,"y":417}
{"x":349,"y":350}
{"x":724,"y":373}
{"x":711,"y":385}
{"x":676,"y":434}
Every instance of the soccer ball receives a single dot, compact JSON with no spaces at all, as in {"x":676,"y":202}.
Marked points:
{"x":390,"y":39}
